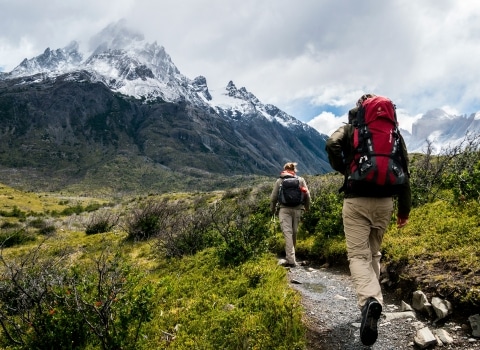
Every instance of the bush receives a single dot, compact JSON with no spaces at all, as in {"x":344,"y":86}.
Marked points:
{"x":15,"y":236}
{"x":244,"y":230}
{"x":14,"y":213}
{"x":325,"y":214}
{"x":46,"y":304}
{"x":76,"y":209}
{"x":454,"y":168}
{"x":151,"y":219}
{"x":189,"y":233}
{"x":43,"y":226}
{"x":101,"y":222}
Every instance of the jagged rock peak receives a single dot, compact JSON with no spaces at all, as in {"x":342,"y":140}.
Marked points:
{"x":241,"y":93}
{"x":199,"y":85}
{"x":51,"y":60}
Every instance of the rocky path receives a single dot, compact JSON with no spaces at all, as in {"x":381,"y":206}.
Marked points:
{"x":333,"y":319}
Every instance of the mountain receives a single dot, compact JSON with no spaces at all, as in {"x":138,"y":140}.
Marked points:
{"x":441,"y":130}
{"x":122,"y":117}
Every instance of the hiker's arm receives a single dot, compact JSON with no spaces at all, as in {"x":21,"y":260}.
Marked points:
{"x":335,"y":146}
{"x":274,"y":197}
{"x":405,"y":194}
{"x":306,"y":191}
{"x":404,"y":203}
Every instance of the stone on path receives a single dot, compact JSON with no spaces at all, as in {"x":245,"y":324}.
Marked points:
{"x":425,"y":338}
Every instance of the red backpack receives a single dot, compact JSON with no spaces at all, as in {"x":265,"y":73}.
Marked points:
{"x":377,"y":156}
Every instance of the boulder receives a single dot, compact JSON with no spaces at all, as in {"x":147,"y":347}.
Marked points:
{"x":442,"y":308}
{"x":475,"y":324}
{"x":420,"y":302}
{"x":424,"y":338}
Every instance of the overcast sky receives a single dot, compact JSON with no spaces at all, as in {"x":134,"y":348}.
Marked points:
{"x":310,"y":58}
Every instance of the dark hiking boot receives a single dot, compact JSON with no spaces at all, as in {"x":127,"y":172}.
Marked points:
{"x":371,"y":312}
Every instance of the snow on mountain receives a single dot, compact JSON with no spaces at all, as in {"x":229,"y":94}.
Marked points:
{"x":57,"y":61}
{"x":441,"y":130}
{"x":121,"y":59}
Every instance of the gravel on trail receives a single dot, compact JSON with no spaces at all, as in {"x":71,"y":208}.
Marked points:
{"x":332,"y":317}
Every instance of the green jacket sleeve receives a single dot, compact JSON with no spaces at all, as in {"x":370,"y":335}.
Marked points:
{"x":336,"y":146}
{"x":405,"y":193}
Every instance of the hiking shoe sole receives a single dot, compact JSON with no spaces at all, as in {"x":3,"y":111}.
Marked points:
{"x":370,"y":316}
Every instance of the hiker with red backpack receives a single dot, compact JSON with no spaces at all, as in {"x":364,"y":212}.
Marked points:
{"x":372,"y":155}
{"x":290,"y":197}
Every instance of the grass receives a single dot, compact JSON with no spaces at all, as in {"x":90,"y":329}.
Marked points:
{"x":249,"y":306}
{"x":200,"y":304}
{"x":197,"y":303}
{"x":440,"y":230}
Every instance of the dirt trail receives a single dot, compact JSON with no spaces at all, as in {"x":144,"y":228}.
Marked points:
{"x":333,"y":319}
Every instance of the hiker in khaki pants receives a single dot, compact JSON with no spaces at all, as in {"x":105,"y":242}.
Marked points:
{"x":289,"y":216}
{"x":368,"y":205}
{"x":289,"y":220}
{"x":366,"y":220}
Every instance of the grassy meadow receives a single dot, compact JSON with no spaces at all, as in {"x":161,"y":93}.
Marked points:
{"x":199,"y":270}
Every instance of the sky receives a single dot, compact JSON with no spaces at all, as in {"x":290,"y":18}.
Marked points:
{"x":311,"y":58}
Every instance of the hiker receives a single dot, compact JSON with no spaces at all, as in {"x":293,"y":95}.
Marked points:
{"x":368,"y":208}
{"x":290,"y":197}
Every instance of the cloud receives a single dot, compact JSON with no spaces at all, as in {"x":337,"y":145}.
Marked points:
{"x":327,"y":122}
{"x":327,"y":53}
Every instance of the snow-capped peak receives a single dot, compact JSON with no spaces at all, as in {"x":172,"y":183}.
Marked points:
{"x":58,"y":61}
{"x":121,"y":59}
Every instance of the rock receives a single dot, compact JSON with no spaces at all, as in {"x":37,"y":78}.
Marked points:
{"x":420,"y":302}
{"x":439,"y":342}
{"x":444,"y":336}
{"x":396,"y":315}
{"x":405,"y":307}
{"x":475,"y":324}
{"x":418,"y":325}
{"x":424,"y":338}
{"x":442,"y":308}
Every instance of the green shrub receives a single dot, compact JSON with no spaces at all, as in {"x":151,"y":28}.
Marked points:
{"x":47,"y":230}
{"x":101,"y":222}
{"x":188,"y":234}
{"x":15,"y":212}
{"x":46,"y":304}
{"x":15,"y":236}
{"x":76,"y":209}
{"x":466,"y":183}
{"x":43,"y":226}
{"x":150,"y":219}
{"x":244,"y":237}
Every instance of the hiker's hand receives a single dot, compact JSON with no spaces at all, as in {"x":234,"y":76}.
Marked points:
{"x":401,"y":222}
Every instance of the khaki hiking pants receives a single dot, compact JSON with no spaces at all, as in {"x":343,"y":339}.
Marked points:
{"x":365,"y":220}
{"x":289,"y":220}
